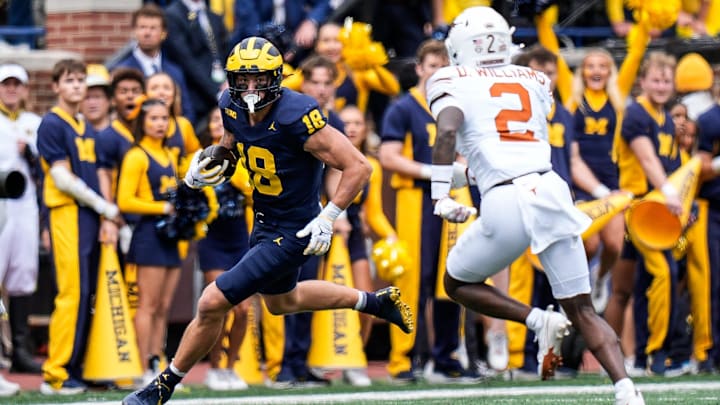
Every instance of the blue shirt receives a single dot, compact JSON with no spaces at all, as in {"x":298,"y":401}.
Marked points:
{"x":709,"y":141}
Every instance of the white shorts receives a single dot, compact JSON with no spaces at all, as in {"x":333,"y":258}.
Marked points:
{"x":536,"y":210}
{"x":19,"y":243}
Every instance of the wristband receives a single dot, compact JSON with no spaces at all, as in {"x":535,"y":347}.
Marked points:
{"x":441,"y":178}
{"x":668,"y":190}
{"x":715,"y":164}
{"x":426,"y":172}
{"x":331,"y":211}
{"x":600,"y":191}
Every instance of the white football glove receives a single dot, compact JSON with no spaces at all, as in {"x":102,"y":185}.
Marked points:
{"x":320,"y":230}
{"x":197,"y":176}
{"x":452,"y":210}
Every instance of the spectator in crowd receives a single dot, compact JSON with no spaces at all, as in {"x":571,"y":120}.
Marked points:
{"x":182,"y":141}
{"x":79,"y":217}
{"x":150,"y":31}
{"x":647,"y":154}
{"x":148,"y":171}
{"x":596,"y":98}
{"x":408,"y":122}
{"x":360,"y":65}
{"x":96,"y":107}
{"x":196,"y":41}
{"x":301,"y":17}
{"x":19,"y":238}
{"x":224,"y":245}
{"x":708,"y":125}
{"x":693,"y":83}
{"x":113,"y":142}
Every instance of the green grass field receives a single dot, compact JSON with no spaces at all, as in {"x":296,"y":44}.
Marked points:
{"x":585,"y":389}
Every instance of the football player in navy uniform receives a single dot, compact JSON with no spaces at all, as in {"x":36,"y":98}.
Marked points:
{"x":283,"y":140}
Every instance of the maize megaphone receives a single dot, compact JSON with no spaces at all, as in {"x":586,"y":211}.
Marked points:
{"x":649,"y":221}
{"x":602,"y":210}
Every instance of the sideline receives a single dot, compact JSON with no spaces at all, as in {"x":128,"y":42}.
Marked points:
{"x":380,"y":396}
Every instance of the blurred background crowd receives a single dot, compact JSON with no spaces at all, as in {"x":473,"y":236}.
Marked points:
{"x":366,"y":63}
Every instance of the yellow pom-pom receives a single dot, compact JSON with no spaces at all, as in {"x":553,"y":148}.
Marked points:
{"x":355,"y":34}
{"x":391,"y":259}
{"x":659,"y":14}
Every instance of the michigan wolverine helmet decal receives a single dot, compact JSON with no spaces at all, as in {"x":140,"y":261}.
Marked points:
{"x":254,"y":56}
{"x":479,"y":37}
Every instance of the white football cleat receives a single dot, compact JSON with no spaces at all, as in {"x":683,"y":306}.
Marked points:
{"x":549,"y":338}
{"x":497,"y":353}
{"x":635,"y":399}
{"x":215,"y":380}
{"x":234,"y":381}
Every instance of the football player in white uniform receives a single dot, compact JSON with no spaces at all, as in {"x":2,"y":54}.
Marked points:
{"x":494,"y":114}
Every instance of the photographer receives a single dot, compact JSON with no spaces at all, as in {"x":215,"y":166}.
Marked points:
{"x":19,"y":239}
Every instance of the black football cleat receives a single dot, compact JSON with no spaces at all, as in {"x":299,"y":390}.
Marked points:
{"x":155,"y":393}
{"x":393,"y":310}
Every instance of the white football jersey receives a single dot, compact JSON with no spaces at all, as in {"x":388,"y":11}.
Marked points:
{"x":505,"y":108}
{"x":11,"y":131}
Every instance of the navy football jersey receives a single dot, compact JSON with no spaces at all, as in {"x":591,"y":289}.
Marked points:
{"x":112,"y":144}
{"x":408,"y":120}
{"x":594,"y":132}
{"x":286,"y":179}
{"x":63,"y":137}
{"x":560,"y":137}
{"x":709,"y":141}
{"x":660,"y":129}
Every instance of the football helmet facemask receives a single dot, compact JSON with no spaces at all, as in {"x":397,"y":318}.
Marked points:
{"x":479,"y":37}
{"x":254,"y":56}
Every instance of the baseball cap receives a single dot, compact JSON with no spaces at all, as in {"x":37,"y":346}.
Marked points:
{"x":9,"y":70}
{"x":97,"y":75}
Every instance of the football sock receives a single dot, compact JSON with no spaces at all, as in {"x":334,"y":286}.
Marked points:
{"x":624,"y":388}
{"x":362,"y":301}
{"x":372,"y":304}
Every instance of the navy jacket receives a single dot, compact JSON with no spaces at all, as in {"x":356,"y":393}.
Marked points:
{"x":187,"y":46}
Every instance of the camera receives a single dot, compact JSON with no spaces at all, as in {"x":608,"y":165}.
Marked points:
{"x":12,"y":184}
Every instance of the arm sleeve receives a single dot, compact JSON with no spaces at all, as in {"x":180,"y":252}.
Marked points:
{"x":373,"y":204}
{"x":637,"y":44}
{"x":615,"y":11}
{"x":133,"y":186}
{"x":548,"y":39}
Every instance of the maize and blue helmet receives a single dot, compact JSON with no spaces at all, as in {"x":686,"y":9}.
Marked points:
{"x":256,"y":56}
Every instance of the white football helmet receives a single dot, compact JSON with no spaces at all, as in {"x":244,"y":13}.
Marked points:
{"x":479,"y":37}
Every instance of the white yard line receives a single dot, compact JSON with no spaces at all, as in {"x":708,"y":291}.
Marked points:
{"x":380,"y":396}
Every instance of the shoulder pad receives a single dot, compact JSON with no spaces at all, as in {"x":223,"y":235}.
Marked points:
{"x":293,"y":105}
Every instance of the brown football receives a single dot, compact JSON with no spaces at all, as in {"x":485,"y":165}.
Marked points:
{"x":218,"y":154}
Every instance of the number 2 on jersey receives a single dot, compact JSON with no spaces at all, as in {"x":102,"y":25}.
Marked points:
{"x":522,"y":115}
